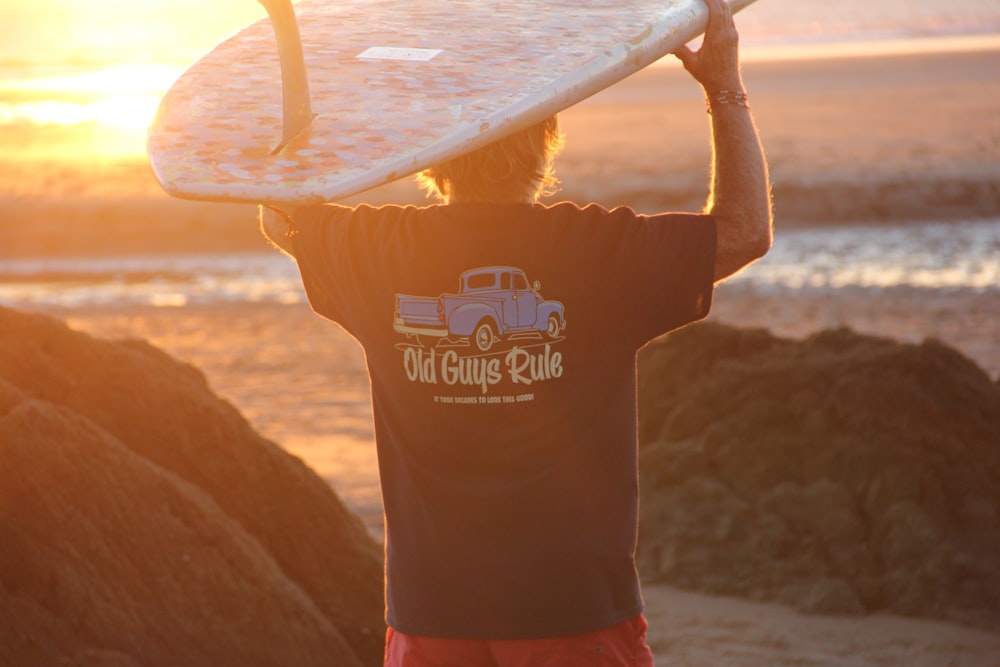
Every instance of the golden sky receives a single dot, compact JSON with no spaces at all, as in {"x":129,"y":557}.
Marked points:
{"x":122,"y":31}
{"x":98,"y":67}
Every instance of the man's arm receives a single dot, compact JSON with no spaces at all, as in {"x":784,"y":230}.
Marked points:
{"x":276,"y":225}
{"x":739,"y":198}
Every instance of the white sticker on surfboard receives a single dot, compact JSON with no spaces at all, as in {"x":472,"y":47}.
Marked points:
{"x":351,"y":94}
{"x":397,"y":53}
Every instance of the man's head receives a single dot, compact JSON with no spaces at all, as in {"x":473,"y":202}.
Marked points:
{"x":517,"y":168}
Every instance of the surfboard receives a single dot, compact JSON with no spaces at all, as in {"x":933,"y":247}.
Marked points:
{"x":329,"y":98}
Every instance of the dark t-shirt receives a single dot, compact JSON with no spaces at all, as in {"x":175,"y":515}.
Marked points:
{"x":501,"y":343}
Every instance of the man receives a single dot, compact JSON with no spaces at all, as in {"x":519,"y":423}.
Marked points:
{"x":505,"y":413}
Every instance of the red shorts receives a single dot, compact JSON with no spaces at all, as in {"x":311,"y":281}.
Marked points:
{"x":623,"y":645}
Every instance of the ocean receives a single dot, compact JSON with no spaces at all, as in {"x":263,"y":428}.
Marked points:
{"x":948,"y":256}
{"x":51,"y":75}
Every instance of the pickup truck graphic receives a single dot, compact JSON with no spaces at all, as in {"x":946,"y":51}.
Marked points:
{"x":494,"y":303}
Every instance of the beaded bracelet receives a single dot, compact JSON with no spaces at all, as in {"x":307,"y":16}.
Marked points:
{"x":737,"y":97}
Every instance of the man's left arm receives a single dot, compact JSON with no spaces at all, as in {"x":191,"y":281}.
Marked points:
{"x":739,"y":198}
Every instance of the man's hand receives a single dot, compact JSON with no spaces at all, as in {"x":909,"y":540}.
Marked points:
{"x":716,"y":64}
{"x":275,"y":225}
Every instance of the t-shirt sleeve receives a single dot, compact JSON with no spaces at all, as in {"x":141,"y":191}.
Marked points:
{"x":320,"y":239}
{"x":673,"y":283}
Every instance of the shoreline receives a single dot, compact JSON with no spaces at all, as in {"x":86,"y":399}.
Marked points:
{"x":943,"y":44}
{"x":144,"y":224}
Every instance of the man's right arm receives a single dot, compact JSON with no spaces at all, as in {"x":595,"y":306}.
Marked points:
{"x":276,"y":226}
{"x":739,"y":198}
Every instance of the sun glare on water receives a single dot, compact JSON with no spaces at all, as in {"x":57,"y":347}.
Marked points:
{"x":119,"y":96}
{"x":76,"y":114}
{"x":79,"y":77}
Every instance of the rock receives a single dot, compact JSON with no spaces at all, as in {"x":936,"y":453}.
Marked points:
{"x":143,"y":521}
{"x":843,"y":473}
{"x":831,"y":595}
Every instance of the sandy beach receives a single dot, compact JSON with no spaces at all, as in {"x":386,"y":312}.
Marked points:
{"x":690,"y":629}
{"x":890,"y":139}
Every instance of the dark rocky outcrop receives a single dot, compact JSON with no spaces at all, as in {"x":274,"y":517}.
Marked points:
{"x":144,"y":522}
{"x":842,"y":474}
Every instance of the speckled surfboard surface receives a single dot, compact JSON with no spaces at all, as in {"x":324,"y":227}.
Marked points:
{"x":395,"y":87}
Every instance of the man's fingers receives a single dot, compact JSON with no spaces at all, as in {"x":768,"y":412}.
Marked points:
{"x":719,"y":7}
{"x":720,"y":15}
{"x":684,"y":54}
{"x":718,"y":12}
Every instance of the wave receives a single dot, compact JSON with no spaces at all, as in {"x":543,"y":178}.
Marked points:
{"x":934,"y":256}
